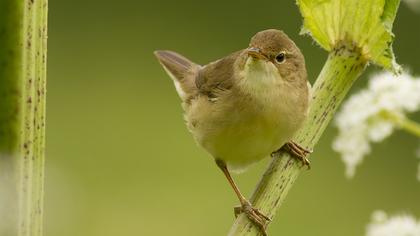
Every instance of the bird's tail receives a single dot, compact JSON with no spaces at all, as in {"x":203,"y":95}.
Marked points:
{"x":181,"y":70}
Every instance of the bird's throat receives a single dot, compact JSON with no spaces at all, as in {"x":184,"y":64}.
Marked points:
{"x":259,"y":76}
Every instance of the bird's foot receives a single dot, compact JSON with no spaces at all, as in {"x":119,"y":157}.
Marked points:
{"x":298,"y":152}
{"x":255,"y":215}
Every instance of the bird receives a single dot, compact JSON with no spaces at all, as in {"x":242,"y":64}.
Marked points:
{"x":245,"y":106}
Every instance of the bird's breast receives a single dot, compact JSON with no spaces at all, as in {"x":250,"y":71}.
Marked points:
{"x":242,"y":129}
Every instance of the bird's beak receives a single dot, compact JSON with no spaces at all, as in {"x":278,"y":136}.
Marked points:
{"x":256,"y":53}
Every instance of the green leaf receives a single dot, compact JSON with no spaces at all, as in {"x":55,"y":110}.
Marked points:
{"x":365,"y":24}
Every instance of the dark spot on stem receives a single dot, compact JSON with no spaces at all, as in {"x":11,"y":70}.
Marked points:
{"x":321,"y":85}
{"x":276,"y":202}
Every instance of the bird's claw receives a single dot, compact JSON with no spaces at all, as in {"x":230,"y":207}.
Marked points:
{"x":255,"y":215}
{"x":298,"y":152}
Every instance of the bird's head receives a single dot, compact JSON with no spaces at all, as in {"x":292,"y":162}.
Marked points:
{"x":272,"y":55}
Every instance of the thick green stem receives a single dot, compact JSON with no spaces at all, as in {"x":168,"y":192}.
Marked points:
{"x":23,"y":36}
{"x":343,"y":67}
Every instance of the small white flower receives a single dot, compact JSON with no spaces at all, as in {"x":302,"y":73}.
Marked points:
{"x":398,"y":225}
{"x":365,"y":117}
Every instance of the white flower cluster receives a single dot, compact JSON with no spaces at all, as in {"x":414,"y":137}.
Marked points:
{"x":399,"y":225}
{"x":364,"y":118}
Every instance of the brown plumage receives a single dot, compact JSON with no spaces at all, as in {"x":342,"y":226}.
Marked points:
{"x":246,"y":105}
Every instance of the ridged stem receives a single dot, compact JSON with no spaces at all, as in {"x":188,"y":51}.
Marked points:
{"x":23,"y":40}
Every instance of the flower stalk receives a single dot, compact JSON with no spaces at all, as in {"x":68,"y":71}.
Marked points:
{"x":355,"y":33}
{"x":404,"y":123}
{"x":410,"y":126}
{"x":23,"y":40}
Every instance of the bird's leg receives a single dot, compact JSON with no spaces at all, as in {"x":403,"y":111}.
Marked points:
{"x":297,"y":152}
{"x":255,"y":215}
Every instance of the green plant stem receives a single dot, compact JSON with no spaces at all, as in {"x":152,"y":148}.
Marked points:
{"x":23,"y":40}
{"x":404,"y":123}
{"x":343,"y":67}
{"x":410,"y":126}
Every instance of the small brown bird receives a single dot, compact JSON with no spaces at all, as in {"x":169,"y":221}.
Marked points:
{"x":244,"y":106}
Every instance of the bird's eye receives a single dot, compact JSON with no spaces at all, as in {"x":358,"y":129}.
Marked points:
{"x":281,"y":57}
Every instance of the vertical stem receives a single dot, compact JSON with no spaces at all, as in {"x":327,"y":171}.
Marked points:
{"x":23,"y":40}
{"x":343,"y":67}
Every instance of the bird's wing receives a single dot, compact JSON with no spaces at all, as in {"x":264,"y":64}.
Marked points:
{"x":216,"y":77}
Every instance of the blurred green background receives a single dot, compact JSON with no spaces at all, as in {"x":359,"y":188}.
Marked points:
{"x":120,"y":160}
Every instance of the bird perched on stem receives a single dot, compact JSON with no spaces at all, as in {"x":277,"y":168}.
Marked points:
{"x":246,"y":105}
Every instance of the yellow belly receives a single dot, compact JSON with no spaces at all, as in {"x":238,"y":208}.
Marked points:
{"x":241,"y":134}
{"x":244,"y":143}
